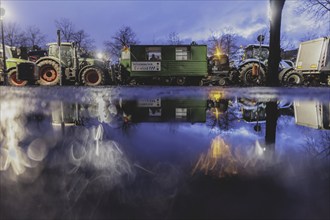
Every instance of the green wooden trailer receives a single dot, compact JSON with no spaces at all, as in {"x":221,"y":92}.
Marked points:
{"x":166,"y":110}
{"x":164,"y":64}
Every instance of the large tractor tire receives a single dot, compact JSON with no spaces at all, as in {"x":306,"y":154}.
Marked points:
{"x":252,"y":75}
{"x":92,"y":76}
{"x":49,"y":73}
{"x":292,"y":78}
{"x":13,"y":81}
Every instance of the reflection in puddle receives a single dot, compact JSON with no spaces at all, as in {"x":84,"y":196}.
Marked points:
{"x":156,"y":153}
{"x":221,"y":160}
{"x":218,"y":161}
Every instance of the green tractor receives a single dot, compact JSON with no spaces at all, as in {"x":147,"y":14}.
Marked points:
{"x":75,"y":70}
{"x":11,"y":64}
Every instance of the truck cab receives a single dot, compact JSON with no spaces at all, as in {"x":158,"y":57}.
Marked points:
{"x":312,"y":66}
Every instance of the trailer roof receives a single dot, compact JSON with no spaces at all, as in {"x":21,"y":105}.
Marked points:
{"x":62,"y":43}
{"x":167,"y":45}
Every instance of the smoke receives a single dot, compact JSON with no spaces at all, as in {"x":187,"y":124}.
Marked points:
{"x":18,"y":156}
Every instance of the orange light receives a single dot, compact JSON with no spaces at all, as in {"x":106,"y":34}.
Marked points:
{"x":125,"y":48}
{"x":216,"y":113}
{"x":217,"y":52}
{"x":216,"y":95}
{"x":218,"y":160}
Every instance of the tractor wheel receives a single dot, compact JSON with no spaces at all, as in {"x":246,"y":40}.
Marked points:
{"x":252,"y":75}
{"x":222,"y":81}
{"x":180,"y":81}
{"x":49,"y":73}
{"x":292,"y":78}
{"x":133,"y":82}
{"x":92,"y":76}
{"x":234,"y":77}
{"x":196,"y":81}
{"x":13,"y":81}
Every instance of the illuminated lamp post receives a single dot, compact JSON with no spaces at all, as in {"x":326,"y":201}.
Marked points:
{"x":2,"y":14}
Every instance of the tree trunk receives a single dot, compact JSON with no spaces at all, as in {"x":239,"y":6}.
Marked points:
{"x":276,"y":7}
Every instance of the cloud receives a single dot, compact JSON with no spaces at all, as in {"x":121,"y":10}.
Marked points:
{"x":154,"y":20}
{"x":298,"y":25}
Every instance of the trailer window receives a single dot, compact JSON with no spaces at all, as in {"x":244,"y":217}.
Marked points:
{"x":181,"y":113}
{"x":154,"y":53}
{"x":182,"y":53}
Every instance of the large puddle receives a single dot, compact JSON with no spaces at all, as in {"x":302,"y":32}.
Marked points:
{"x":163,"y":153}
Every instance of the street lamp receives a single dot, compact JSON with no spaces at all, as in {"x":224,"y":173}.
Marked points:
{"x":5,"y":77}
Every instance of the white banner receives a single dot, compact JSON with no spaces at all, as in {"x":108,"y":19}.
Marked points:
{"x":146,"y":66}
{"x":149,"y":102}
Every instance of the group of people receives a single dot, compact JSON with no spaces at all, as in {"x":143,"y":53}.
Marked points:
{"x":154,"y":58}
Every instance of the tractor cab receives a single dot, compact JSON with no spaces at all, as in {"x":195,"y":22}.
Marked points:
{"x":67,"y":52}
{"x":256,"y":51}
{"x":34,"y":55}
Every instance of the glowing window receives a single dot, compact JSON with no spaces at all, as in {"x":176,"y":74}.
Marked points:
{"x":182,"y":53}
{"x":181,"y":113}
{"x":154,"y":53}
{"x":155,"y":112}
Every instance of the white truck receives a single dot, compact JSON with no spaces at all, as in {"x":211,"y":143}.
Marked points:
{"x":312,"y":114}
{"x":312,"y":66}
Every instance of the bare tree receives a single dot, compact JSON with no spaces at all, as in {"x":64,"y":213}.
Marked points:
{"x":14,"y":36}
{"x":67,"y":29}
{"x":174,"y":39}
{"x":34,"y":37}
{"x":85,"y":44}
{"x":316,"y":9}
{"x":318,"y":145}
{"x":286,"y":42}
{"x":226,"y":41}
{"x":214,"y":43}
{"x":230,"y":46}
{"x":310,"y":35}
{"x":125,"y":36}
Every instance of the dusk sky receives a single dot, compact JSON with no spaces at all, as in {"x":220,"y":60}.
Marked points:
{"x":152,"y":21}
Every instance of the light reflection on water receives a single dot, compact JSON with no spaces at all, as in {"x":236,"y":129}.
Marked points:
{"x":86,"y":151}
